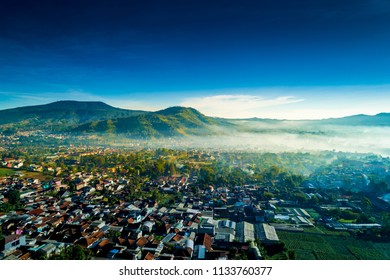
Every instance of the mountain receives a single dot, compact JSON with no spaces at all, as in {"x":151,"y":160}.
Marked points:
{"x":173,"y":121}
{"x":99,"y":118}
{"x":61,"y":115}
{"x":382,"y":119}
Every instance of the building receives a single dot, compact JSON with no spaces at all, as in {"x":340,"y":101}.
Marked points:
{"x":245,"y":232}
{"x":11,"y":242}
{"x":266,"y":233}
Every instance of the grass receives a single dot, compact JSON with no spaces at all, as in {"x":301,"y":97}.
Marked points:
{"x":4,"y":172}
{"x":346,"y":221}
{"x":313,"y":230}
{"x":320,"y":246}
{"x":313,"y":213}
{"x":37,"y":175}
{"x":327,"y":231}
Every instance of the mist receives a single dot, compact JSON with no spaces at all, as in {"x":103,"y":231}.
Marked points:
{"x":285,"y":137}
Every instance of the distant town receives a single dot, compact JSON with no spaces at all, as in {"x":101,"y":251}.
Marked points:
{"x":80,"y":202}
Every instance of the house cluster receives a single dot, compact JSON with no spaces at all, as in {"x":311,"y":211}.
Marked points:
{"x":137,"y":230}
{"x":12,"y":163}
{"x":206,"y":226}
{"x":351,"y":174}
{"x":95,"y":211}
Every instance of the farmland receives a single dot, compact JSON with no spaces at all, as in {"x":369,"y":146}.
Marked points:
{"x":318,"y":246}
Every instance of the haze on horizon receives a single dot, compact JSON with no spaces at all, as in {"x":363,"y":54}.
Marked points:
{"x":271,"y":103}
{"x":233,"y":59}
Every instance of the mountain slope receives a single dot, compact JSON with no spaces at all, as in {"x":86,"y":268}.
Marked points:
{"x":62,"y":114}
{"x":382,"y":119}
{"x":174,"y":121}
{"x":99,"y":118}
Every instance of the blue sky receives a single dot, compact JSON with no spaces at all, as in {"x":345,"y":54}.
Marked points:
{"x":275,"y":59}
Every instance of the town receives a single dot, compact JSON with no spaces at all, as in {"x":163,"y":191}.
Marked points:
{"x":80,"y":202}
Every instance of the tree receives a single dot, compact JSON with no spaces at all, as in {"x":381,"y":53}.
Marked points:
{"x":207,"y":175}
{"x":291,"y":254}
{"x":73,"y":252}
{"x":366,"y":203}
{"x":236,"y":254}
{"x":113,"y":235}
{"x":379,"y":187}
{"x":300,"y":197}
{"x":268,"y":195}
{"x":160,"y":166}
{"x":13,"y":197}
{"x":363,"y":219}
{"x":6,"y":207}
{"x":170,"y":168}
{"x":293,"y":181}
{"x":314,"y":200}
{"x":154,"y":194}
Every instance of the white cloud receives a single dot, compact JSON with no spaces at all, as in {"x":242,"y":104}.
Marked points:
{"x":272,"y":102}
{"x":237,"y":106}
{"x":293,"y":102}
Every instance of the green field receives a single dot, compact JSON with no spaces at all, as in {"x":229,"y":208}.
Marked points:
{"x":4,"y":172}
{"x":323,"y":230}
{"x":37,"y":175}
{"x":317,"y":246}
{"x":313,"y":213}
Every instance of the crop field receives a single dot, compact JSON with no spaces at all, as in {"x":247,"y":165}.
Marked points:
{"x":312,"y":246}
{"x":322,"y":229}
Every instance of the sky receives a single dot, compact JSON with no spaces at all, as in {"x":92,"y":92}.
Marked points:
{"x":281,"y":59}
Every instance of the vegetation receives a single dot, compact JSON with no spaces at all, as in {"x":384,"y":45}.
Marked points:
{"x":4,"y":172}
{"x":73,"y":252}
{"x":58,"y":116}
{"x":310,"y":246}
{"x":291,"y":180}
{"x":13,"y":197}
{"x":277,"y":251}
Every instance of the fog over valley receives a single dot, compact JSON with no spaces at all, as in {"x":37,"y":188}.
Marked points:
{"x":96,"y":123}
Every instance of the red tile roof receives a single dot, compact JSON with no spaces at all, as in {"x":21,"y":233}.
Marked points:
{"x":121,"y":240}
{"x":177,"y":237}
{"x":104,"y":242}
{"x":142,"y":242}
{"x":25,"y":256}
{"x":36,"y":212}
{"x":149,"y":256}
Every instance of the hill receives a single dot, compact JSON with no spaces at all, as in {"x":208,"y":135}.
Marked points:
{"x":98,"y":118}
{"x":382,"y":119}
{"x":61,"y":115}
{"x":173,"y":121}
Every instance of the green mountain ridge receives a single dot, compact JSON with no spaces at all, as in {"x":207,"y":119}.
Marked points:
{"x":80,"y":118}
{"x":173,"y":121}
{"x":381,"y":119}
{"x":61,"y":115}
